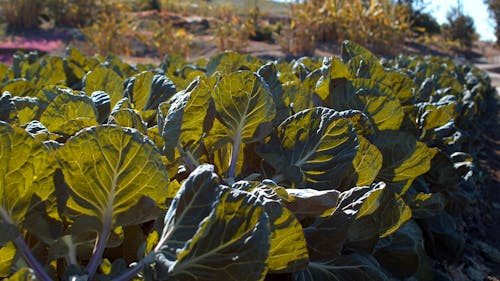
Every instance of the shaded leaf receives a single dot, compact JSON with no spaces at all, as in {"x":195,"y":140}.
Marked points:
{"x":288,"y":249}
{"x":405,"y":158}
{"x":232,"y":243}
{"x":355,"y":266}
{"x":147,"y":90}
{"x":189,"y":116}
{"x":315,"y":146}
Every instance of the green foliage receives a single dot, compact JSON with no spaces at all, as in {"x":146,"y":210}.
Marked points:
{"x":235,"y":168}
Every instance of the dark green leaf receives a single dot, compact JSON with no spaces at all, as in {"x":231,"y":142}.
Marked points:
{"x":403,"y":255}
{"x":355,"y":266}
{"x":288,"y":249}
{"x":147,"y":90}
{"x":102,"y":103}
{"x":192,"y":204}
{"x":231,"y":244}
{"x":315,"y":147}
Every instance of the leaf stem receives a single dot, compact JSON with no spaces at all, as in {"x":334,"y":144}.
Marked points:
{"x":231,"y":173}
{"x":138,"y":267}
{"x":100,"y":245}
{"x":32,"y":261}
{"x":278,"y":178}
{"x":188,"y":158}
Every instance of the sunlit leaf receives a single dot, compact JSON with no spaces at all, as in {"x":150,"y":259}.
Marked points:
{"x":112,"y":172}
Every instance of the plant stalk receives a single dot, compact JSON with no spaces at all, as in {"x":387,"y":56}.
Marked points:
{"x":138,"y":267}
{"x":231,"y":173}
{"x":188,"y":158}
{"x":100,"y":245}
{"x":41,"y":274}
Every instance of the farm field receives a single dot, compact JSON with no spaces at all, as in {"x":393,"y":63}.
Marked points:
{"x":268,"y":161}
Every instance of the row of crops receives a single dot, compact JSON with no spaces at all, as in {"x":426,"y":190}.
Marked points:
{"x":235,"y":168}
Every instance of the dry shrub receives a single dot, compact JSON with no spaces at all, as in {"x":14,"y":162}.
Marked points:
{"x":166,"y":39}
{"x":113,"y":29}
{"x":74,"y":13}
{"x":231,"y":31}
{"x":299,"y":36}
{"x":20,"y":14}
{"x":380,"y":25}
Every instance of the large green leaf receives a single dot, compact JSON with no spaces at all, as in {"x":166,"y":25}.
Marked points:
{"x":231,"y":244}
{"x":128,"y":118}
{"x":245,"y":111}
{"x":333,"y":73}
{"x":270,"y":74}
{"x":288,"y":250}
{"x":213,"y":233}
{"x":228,"y":62}
{"x":403,"y":255}
{"x":405,"y":158}
{"x":353,"y":204}
{"x":104,"y":79}
{"x":193,"y":203}
{"x":190,"y":114}
{"x":367,"y":163}
{"x":27,"y":169}
{"x":147,"y":90}
{"x":316,"y":146}
{"x":356,"y":266}
{"x":68,"y":113}
{"x":108,"y":170}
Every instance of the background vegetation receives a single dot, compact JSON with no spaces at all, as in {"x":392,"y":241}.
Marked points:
{"x":156,"y":25}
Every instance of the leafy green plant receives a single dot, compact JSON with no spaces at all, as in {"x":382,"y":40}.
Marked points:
{"x":235,"y":168}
